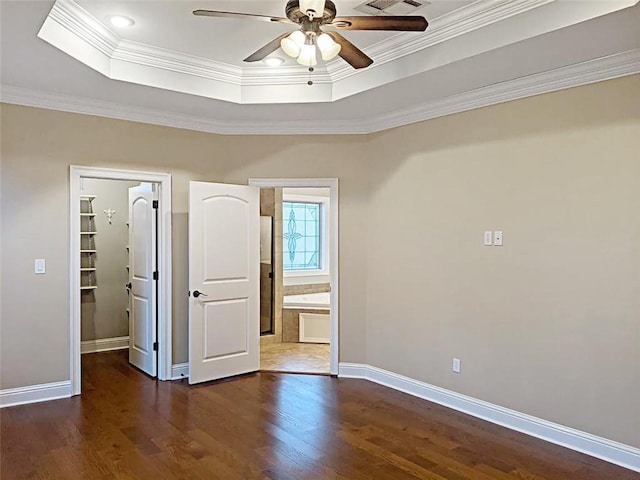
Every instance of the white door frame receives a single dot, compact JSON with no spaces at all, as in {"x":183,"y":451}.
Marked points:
{"x":164,"y":267}
{"x":332,"y":185}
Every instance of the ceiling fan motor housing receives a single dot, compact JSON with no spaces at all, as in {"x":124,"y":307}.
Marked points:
{"x":296,"y":15}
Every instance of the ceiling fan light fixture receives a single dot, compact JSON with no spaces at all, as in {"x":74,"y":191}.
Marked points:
{"x":312,"y":8}
{"x":307,"y":55}
{"x":292,"y":44}
{"x":311,"y":16}
{"x":327,"y":46}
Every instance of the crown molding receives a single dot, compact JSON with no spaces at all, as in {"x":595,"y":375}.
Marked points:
{"x":591,"y":71}
{"x":85,"y":26}
{"x":464,"y":20}
{"x":75,"y":19}
{"x":604,"y":68}
{"x":459,"y":22}
{"x":78,"y":33}
{"x":168,"y":60}
{"x":99,"y":108}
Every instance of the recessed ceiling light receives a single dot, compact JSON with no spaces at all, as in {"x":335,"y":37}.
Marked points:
{"x":274,"y":61}
{"x":120,"y":21}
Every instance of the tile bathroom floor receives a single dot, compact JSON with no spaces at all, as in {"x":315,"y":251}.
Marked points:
{"x":295,"y":357}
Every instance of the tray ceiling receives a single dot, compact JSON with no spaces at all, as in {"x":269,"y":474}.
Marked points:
{"x":188,"y":71}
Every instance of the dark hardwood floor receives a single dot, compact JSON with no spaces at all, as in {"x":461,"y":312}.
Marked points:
{"x":272,"y":426}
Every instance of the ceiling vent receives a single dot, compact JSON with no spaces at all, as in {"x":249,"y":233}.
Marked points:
{"x":390,"y":7}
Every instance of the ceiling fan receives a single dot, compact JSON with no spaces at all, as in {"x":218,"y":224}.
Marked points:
{"x":311,"y":15}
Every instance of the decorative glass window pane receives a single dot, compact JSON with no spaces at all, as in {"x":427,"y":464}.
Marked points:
{"x":301,"y":232}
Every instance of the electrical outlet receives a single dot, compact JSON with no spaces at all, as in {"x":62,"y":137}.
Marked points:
{"x":456,"y":365}
{"x":497,"y":238}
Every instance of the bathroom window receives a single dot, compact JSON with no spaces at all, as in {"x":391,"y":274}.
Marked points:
{"x":302,"y":231}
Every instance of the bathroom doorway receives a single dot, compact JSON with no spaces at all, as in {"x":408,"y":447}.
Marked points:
{"x":298,"y":275}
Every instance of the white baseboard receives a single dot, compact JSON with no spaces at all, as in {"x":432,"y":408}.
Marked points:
{"x":179,"y":371}
{"x":104,"y":344}
{"x":35,"y":393}
{"x":602,"y":448}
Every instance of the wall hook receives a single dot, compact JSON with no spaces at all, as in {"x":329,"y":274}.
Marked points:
{"x":110,"y":213}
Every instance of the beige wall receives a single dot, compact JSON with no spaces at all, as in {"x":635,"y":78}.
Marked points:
{"x":103,"y":312}
{"x":37,"y":148}
{"x":344,"y":157}
{"x":548,"y":324}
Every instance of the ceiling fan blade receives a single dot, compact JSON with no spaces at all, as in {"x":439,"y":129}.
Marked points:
{"x":269,"y":48}
{"x":245,"y":16}
{"x":350,"y":53}
{"x":411,"y":23}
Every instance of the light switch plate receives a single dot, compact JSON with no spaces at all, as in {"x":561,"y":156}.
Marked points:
{"x":39,"y":266}
{"x":497,"y":238}
{"x":456,"y":365}
{"x":488,"y":238}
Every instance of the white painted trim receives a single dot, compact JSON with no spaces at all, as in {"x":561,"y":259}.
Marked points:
{"x":593,"y":445}
{"x":592,"y":71}
{"x":353,"y":370}
{"x":332,"y":184}
{"x":94,"y":34}
{"x":475,"y":16}
{"x":180,"y":371}
{"x":35,"y":393}
{"x":164,"y":243}
{"x":75,"y":31}
{"x":104,"y":344}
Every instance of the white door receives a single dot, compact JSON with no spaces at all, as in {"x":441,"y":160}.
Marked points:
{"x":142,"y":286}
{"x":224,"y":283}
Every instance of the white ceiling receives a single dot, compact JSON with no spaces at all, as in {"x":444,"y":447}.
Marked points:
{"x":221,"y":39}
{"x":472,"y":54}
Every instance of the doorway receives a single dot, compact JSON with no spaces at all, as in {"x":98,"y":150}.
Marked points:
{"x":148,"y":210}
{"x":300,"y":277}
{"x":104,"y":264}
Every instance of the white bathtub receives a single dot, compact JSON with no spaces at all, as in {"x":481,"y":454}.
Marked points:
{"x":315,"y":301}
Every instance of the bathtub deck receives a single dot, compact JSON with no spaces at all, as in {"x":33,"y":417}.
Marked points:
{"x":316,"y":301}
{"x":295,"y":357}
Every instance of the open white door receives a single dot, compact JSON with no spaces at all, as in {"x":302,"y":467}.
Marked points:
{"x":224,"y":282}
{"x":142,"y":286}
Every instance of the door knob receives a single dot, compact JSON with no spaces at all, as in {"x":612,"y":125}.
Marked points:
{"x":196,"y":294}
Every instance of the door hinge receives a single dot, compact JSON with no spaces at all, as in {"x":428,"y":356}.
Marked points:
{"x":155,"y":204}
{"x":270,"y":274}
{"x":155,"y":275}
{"x":155,"y":346}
